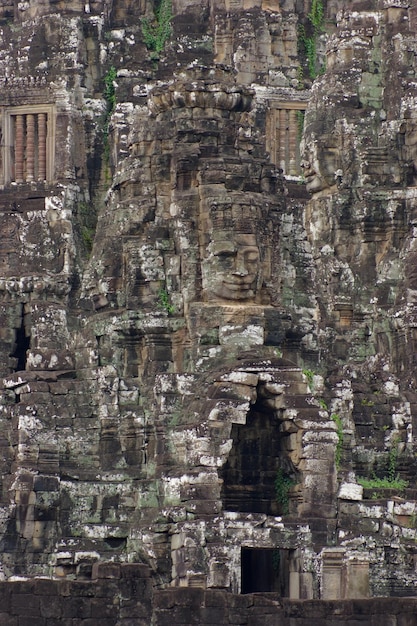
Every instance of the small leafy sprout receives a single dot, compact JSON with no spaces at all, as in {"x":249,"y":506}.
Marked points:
{"x":383,"y":483}
{"x":309,"y":374}
{"x":110,"y":90}
{"x":366,"y":402}
{"x":283,"y":484}
{"x":165,"y":302}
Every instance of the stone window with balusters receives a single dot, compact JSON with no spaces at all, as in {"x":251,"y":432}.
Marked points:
{"x":27,"y":144}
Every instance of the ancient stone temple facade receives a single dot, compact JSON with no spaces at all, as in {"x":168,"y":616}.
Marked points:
{"x":207,"y":292}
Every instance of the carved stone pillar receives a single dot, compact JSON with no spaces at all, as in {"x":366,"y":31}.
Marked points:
{"x":30,"y":147}
{"x":42,"y":146}
{"x":19,"y":147}
{"x":332,"y":583}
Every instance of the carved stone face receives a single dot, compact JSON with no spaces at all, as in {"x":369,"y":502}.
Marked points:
{"x":320,"y":163}
{"x":232,"y":269}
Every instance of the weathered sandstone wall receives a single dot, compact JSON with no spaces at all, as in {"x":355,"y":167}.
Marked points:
{"x":207,"y":297}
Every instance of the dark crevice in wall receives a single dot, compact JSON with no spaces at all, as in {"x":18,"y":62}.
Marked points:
{"x":22,"y":344}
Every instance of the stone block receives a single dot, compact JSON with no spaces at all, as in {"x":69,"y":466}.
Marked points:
{"x":46,"y":483}
{"x":102,"y":609}
{"x":78,"y":608}
{"x":134,"y":570}
{"x":31,"y":621}
{"x":134,"y":603}
{"x":332,"y":573}
{"x":6,"y":619}
{"x":25,"y":604}
{"x":350,"y":491}
{"x":5,"y":598}
{"x":216,"y":597}
{"x":240,"y":618}
{"x":79,"y":589}
{"x":103,"y":621}
{"x":357,"y":584}
{"x":50,"y":606}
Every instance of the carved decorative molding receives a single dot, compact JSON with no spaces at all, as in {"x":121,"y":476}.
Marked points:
{"x":27,"y":144}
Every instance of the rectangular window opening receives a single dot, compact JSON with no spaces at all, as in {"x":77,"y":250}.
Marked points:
{"x":27,"y":144}
{"x":284,"y":131}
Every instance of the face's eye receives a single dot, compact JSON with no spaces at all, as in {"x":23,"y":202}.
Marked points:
{"x":225,"y":258}
{"x":252,"y":257}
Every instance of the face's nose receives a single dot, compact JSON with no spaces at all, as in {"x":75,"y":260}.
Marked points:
{"x":240,"y":266}
{"x":305,"y":165}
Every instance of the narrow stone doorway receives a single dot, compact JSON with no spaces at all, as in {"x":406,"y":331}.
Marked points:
{"x":265,"y":570}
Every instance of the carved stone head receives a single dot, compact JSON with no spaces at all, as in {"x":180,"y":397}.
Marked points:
{"x":321,"y":162}
{"x":236,"y":254}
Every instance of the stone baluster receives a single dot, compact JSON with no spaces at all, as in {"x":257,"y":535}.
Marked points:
{"x":19,"y":147}
{"x":283,"y":139}
{"x":30,"y":147}
{"x":292,"y":142}
{"x":42,"y":146}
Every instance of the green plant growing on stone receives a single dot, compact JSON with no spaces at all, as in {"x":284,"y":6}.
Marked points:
{"x":110,"y":90}
{"x":309,"y":374}
{"x":87,"y":235}
{"x":366,"y":402}
{"x":164,"y":301}
{"x":156,"y":32}
{"x":300,"y":77}
{"x":339,"y":431}
{"x":110,"y":98}
{"x":87,"y":219}
{"x":393,"y":460}
{"x":383,"y":483}
{"x":283,"y":484}
{"x":309,"y":42}
{"x":391,"y":480}
{"x":323,"y":404}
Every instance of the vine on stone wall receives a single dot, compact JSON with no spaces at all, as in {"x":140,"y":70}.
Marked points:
{"x":110,"y":98}
{"x":308,"y":42}
{"x":156,"y":32}
{"x":283,"y":484}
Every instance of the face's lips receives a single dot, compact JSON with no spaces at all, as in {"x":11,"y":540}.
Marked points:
{"x":239,"y":284}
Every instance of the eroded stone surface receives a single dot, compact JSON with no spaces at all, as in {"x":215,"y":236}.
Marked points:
{"x":200,"y":353}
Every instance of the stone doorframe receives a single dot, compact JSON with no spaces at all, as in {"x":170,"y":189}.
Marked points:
{"x":204,"y":447}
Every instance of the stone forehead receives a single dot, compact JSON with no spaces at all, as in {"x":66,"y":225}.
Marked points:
{"x":199,"y":95}
{"x":241,"y":216}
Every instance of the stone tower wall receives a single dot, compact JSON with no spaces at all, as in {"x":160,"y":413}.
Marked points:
{"x":207,"y":301}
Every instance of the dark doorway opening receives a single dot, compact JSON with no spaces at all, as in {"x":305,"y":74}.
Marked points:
{"x":265,"y":569}
{"x":258,"y":456}
{"x":21,"y":345}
